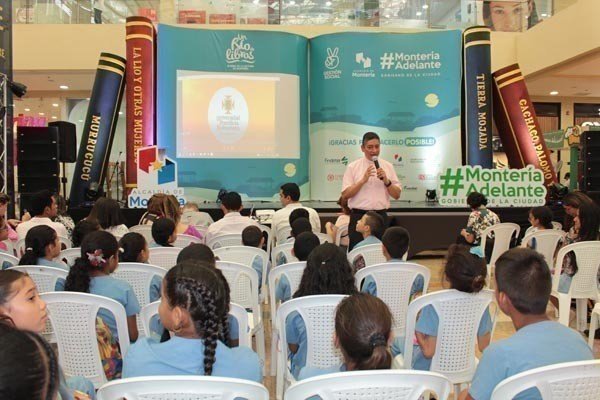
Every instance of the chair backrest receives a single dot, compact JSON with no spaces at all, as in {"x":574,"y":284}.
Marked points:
{"x":9,"y":258}
{"x":165,"y":257}
{"x":10,"y":247}
{"x":341,"y":232}
{"x":318,"y":314}
{"x":70,"y":255}
{"x":567,"y":381}
{"x":73,"y":317}
{"x":556,"y":225}
{"x":231,"y":239}
{"x":238,"y":312}
{"x":44,"y":277}
{"x":243,"y":285}
{"x":371,"y":253}
{"x":65,"y":242}
{"x":244,"y":255}
{"x":503,"y":235}
{"x":20,"y":247}
{"x":286,"y":250}
{"x":394,"y":282}
{"x":546,"y":242}
{"x":283,"y":233}
{"x":182,"y":388}
{"x":139,"y":276}
{"x":184,"y":240}
{"x":372,"y":385}
{"x":459,"y":317}
{"x":144,"y":230}
{"x":269,"y":240}
{"x":293,"y":272}
{"x":584,"y":283}
{"x":323,"y":237}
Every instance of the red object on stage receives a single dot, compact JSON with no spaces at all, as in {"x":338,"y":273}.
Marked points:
{"x":518,"y":127}
{"x":141,"y":92}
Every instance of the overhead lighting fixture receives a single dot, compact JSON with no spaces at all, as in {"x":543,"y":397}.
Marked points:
{"x":63,"y":87}
{"x":553,"y":93}
{"x":54,"y":117}
{"x":292,"y":2}
{"x":544,"y":15}
{"x":120,"y":112}
{"x":328,"y":3}
{"x":419,"y":13}
{"x":42,"y":114}
{"x":54,"y":104}
{"x":425,"y":6}
{"x":256,"y":1}
{"x":28,"y":109}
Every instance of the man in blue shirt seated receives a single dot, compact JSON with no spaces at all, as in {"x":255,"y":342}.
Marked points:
{"x":523,"y":286}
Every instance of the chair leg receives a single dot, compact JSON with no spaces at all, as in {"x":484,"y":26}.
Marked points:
{"x":581,"y":314}
{"x":274,"y":339}
{"x":260,"y":346}
{"x":593,"y":327}
{"x":564,"y":309}
{"x":279,"y":379}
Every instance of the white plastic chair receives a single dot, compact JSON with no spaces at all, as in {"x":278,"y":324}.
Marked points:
{"x":341,"y":232}
{"x":73,"y":316}
{"x":70,"y":255}
{"x":323,"y":237}
{"x":20,"y":248}
{"x":578,"y":380}
{"x":184,"y":240}
{"x":595,"y":318}
{"x":144,"y":230}
{"x":232,"y":239}
{"x":139,"y":276}
{"x":238,"y":312}
{"x":165,"y":257}
{"x":371,"y":253}
{"x":394,"y":281}
{"x":286,"y":250}
{"x":584,"y":282}
{"x":245,"y":255}
{"x":182,"y":388}
{"x":44,"y":277}
{"x":503,"y":235}
{"x":243,"y":286}
{"x":269,"y":240}
{"x":556,"y":225}
{"x":546,"y":242}
{"x":9,"y":258}
{"x":459,"y":317}
{"x":318,"y":314}
{"x":283,"y":233}
{"x":372,"y":385}
{"x":65,"y":242}
{"x":293,"y":273}
{"x":10,"y":247}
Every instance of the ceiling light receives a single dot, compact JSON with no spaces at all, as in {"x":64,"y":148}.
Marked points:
{"x":28,"y":109}
{"x":120,"y":112}
{"x":256,"y":1}
{"x":328,"y":3}
{"x":42,"y":114}
{"x":544,"y":15}
{"x":63,"y":87}
{"x":419,"y":13}
{"x":292,"y":2}
{"x":425,"y":6}
{"x":80,"y":120}
{"x":54,"y":117}
{"x":553,"y":93}
{"x":54,"y":104}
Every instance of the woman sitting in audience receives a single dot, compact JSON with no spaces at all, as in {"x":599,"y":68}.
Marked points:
{"x":363,"y":331}
{"x":22,"y":307}
{"x":164,"y":232}
{"x":108,"y":214}
{"x":154,"y":209}
{"x":327,"y":272}
{"x":466,"y":273}
{"x":82,"y":228}
{"x":164,"y":205}
{"x":42,"y":247}
{"x":571,"y":203}
{"x":91,"y":274}
{"x":193,"y":302}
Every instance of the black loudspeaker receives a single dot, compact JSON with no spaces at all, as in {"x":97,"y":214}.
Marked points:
{"x":37,"y":161}
{"x":590,"y":160}
{"x":67,"y":138}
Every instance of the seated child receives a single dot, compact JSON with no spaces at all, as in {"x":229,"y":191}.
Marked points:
{"x":371,"y":227}
{"x":164,"y":232}
{"x":299,"y":225}
{"x":42,"y":247}
{"x":252,"y":237}
{"x":303,"y":245}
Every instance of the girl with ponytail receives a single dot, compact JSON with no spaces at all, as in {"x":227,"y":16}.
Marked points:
{"x":193,"y":301}
{"x":42,"y":247}
{"x":464,"y":272}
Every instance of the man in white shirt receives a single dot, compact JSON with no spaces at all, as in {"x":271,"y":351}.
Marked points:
{"x":232,"y":222}
{"x":43,"y":208}
{"x":289,"y":195}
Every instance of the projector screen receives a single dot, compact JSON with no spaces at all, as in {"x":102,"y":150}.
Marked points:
{"x":235,"y":115}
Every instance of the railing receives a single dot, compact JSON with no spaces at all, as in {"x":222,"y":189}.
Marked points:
{"x":500,"y":15}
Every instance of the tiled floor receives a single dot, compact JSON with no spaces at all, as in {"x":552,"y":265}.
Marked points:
{"x":504,"y":327}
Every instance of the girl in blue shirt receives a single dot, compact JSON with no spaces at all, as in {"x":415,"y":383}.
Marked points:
{"x":42,"y":247}
{"x":193,"y":302}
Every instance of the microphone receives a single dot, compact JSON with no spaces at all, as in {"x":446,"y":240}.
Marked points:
{"x":376,"y":162}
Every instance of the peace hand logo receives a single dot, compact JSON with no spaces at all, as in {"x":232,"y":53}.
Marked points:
{"x":332,"y":60}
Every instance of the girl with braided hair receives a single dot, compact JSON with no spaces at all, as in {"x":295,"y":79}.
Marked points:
{"x":193,"y":302}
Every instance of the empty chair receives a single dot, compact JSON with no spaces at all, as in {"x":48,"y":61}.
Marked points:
{"x":144,"y":230}
{"x":283,"y":252}
{"x":394,"y":281}
{"x":73,"y":316}
{"x":7,"y":260}
{"x":372,"y":385}
{"x":546,"y":241}
{"x":182,"y":388}
{"x":184,"y":240}
{"x":583,"y":284}
{"x":503,"y":235}
{"x":165,"y":257}
{"x":233,"y":239}
{"x":318,"y":314}
{"x":578,"y":380}
{"x":68,"y":256}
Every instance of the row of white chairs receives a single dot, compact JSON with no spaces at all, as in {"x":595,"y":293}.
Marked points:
{"x":567,"y":381}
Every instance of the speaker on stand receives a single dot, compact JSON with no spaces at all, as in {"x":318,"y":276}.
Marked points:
{"x":67,"y":148}
{"x":590,"y":161}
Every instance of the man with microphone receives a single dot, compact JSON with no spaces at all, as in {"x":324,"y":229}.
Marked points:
{"x":368,"y":184}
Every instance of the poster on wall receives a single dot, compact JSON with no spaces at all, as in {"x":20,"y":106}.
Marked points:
{"x":404,"y":87}
{"x":231,"y":114}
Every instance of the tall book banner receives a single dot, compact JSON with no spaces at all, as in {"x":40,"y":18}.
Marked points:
{"x":477,"y":97}
{"x":99,"y":128}
{"x":233,"y":110}
{"x":141,"y":95}
{"x":517,"y":124}
{"x":404,"y":87}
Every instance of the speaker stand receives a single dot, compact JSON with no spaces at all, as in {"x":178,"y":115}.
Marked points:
{"x":64,"y":180}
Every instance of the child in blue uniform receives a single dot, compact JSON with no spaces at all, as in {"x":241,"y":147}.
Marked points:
{"x":164,"y":232}
{"x":371,"y":227}
{"x":465,"y":272}
{"x":303,"y":245}
{"x":252,"y":237}
{"x":42,"y":247}
{"x":194,"y":298}
{"x":134,"y":249}
{"x":327,"y":272}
